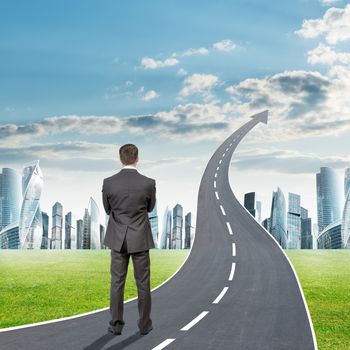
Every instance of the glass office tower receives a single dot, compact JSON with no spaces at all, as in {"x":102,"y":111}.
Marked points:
{"x":188,"y":226}
{"x":293,"y":221}
{"x":330,"y":237}
{"x":57,"y":226}
{"x":45,"y":240}
{"x":278,"y":218}
{"x":94,"y":215}
{"x":345,"y":227}
{"x":346,"y":181}
{"x":328,"y":197}
{"x":166,"y":230}
{"x":306,"y":241}
{"x":176,"y":241}
{"x":85,"y":244}
{"x":249,"y":202}
{"x":10,"y":197}
{"x":30,"y":223}
{"x":153,"y":219}
{"x":70,"y":231}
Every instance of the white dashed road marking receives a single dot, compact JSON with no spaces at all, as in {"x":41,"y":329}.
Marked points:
{"x":230,"y":144}
{"x":217,"y":195}
{"x":223,"y":154}
{"x":220,"y":161}
{"x":194,"y":321}
{"x":226,"y":149}
{"x":218,"y":168}
{"x":214,"y":184}
{"x":163,"y":344}
{"x":219,"y":297}
{"x":233,"y":249}
{"x":222,"y":210}
{"x":233,"y":267}
{"x":229,"y":228}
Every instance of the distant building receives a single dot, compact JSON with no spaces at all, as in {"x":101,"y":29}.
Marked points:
{"x":176,"y":241}
{"x":85,"y":244}
{"x":267,"y":224}
{"x":166,"y":230}
{"x":258,"y":210}
{"x":278,"y":226}
{"x":57,"y":226}
{"x":330,"y":237}
{"x":10,"y":197}
{"x":345,"y":227}
{"x":102,"y":236}
{"x":346,"y":181}
{"x":306,"y":230}
{"x":94,"y":229}
{"x":45,"y":242}
{"x":9,"y":237}
{"x":70,"y":231}
{"x":30,"y":222}
{"x":293,"y":221}
{"x":80,"y":233}
{"x":153,"y":219}
{"x":328,"y":197}
{"x":249,"y":202}
{"x":188,"y":226}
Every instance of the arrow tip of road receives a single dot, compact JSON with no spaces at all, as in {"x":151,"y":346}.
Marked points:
{"x":262,"y":116}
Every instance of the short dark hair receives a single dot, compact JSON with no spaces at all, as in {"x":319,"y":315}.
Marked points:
{"x":128,"y":153}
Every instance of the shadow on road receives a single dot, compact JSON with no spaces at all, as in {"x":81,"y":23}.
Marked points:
{"x":101,"y":342}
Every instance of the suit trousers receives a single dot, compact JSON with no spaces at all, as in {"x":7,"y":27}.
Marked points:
{"x":119,"y":269}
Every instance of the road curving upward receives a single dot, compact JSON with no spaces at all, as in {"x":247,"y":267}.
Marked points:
{"x":236,"y":290}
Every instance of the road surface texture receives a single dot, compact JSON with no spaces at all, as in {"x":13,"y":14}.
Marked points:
{"x":236,"y":290}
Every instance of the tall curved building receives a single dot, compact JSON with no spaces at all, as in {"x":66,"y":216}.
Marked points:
{"x":94,"y":215}
{"x":166,"y":230}
{"x":278,"y":226}
{"x":345,"y":226}
{"x":10,"y":197}
{"x":328,"y":197}
{"x":30,"y":223}
{"x":346,"y":181}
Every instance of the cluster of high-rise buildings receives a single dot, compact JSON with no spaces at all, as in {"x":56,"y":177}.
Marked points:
{"x":23,"y":225}
{"x":289,"y":222}
{"x":177,"y":232}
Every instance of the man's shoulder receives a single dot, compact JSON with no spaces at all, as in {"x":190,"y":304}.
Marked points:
{"x":120,"y":174}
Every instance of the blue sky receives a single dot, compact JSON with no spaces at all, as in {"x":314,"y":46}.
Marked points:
{"x":79,"y":79}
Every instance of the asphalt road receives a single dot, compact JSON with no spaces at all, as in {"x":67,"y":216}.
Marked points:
{"x":236,"y":290}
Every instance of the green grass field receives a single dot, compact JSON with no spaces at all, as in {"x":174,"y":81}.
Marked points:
{"x":41,"y":285}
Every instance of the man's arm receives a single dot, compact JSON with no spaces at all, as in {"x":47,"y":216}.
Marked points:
{"x":105,"y":201}
{"x":152,"y":201}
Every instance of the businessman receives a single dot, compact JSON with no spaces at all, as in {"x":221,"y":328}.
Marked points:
{"x":127,"y":197}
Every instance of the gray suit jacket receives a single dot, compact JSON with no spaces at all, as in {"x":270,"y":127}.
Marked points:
{"x":127,"y":197}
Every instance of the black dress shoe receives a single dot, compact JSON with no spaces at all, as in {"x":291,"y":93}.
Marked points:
{"x":146,"y":332}
{"x":114,"y":329}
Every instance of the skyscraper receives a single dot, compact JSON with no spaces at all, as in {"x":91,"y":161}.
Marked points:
{"x":102,"y":236}
{"x":249,"y":202}
{"x":267,"y":224}
{"x":94,"y":215}
{"x":258,"y":210}
{"x":153,"y":219}
{"x":70,"y":241}
{"x":328,"y":197}
{"x":293,"y":221}
{"x":45,"y":238}
{"x":85,"y":244}
{"x":57,"y":226}
{"x":10,"y":197}
{"x":188,"y":226}
{"x":176,"y":241}
{"x":30,"y":222}
{"x":80,"y":233}
{"x":346,"y":181}
{"x":306,"y":230}
{"x":166,"y":231}
{"x":345,"y":226}
{"x":278,"y":218}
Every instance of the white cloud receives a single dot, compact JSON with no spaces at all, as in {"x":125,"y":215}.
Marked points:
{"x":224,"y":45}
{"x":182,"y":72}
{"x":335,"y":25}
{"x":190,"y":52}
{"x":329,"y":2}
{"x":201,"y":84}
{"x":129,"y":83}
{"x":323,"y":54}
{"x":150,"y":63}
{"x":150,"y":95}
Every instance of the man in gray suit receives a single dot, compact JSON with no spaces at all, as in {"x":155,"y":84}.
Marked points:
{"x":128,"y":196}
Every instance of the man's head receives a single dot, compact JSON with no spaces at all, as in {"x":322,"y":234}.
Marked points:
{"x":128,"y":154}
